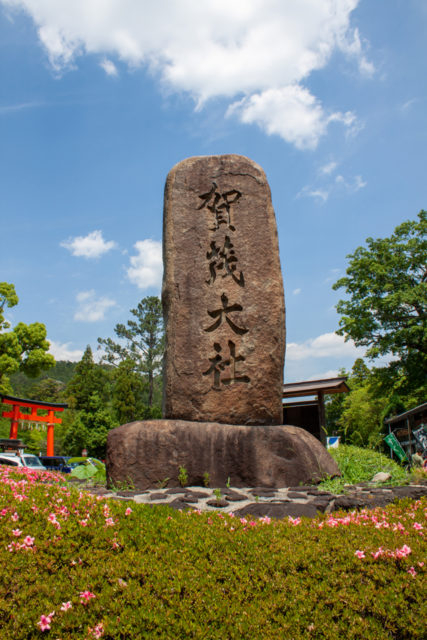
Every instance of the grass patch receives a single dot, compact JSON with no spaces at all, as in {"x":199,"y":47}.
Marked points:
{"x":360,"y":465}
{"x":89,"y":568}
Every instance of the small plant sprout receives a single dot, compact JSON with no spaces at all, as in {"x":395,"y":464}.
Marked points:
{"x":228,"y":483}
{"x":183,"y":476}
{"x":218,"y":494}
{"x":206,"y":479}
{"x":163,"y":483}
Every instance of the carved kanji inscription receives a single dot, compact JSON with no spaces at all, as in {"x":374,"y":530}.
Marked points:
{"x":222,"y":294}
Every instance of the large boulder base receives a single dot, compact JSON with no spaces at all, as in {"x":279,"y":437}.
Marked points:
{"x":149,"y":452}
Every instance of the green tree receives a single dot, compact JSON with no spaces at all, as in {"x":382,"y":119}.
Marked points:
{"x":387,"y":306}
{"x":23,"y":348}
{"x":142,"y":342}
{"x":361,"y":421}
{"x":89,"y":429}
{"x":88,"y":379}
{"x":128,"y":390}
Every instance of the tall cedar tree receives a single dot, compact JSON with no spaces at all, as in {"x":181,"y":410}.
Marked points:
{"x":143,"y":342}
{"x":89,"y":378}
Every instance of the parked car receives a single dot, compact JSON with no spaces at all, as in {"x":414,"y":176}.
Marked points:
{"x":58,"y":463}
{"x":21,"y":460}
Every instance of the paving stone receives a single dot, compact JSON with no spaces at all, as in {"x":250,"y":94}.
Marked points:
{"x":197,"y":494}
{"x":307,"y":487}
{"x":277,"y":510}
{"x":296,"y":495}
{"x":233,"y":496}
{"x":348,"y":503}
{"x":413,"y":492}
{"x":178,"y":503}
{"x":158,"y":496}
{"x":262,"y":492}
{"x":321,"y":504}
{"x":220,"y":504}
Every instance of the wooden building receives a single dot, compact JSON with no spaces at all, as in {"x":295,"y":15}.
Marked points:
{"x":310,"y":414}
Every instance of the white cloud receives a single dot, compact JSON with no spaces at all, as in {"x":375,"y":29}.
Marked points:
{"x":359,"y":183}
{"x":91,"y":246}
{"x":328,"y":168}
{"x":91,"y":308}
{"x":13,"y":108}
{"x":331,"y":373}
{"x":109,"y":67}
{"x":256,"y":53}
{"x":296,"y":292}
{"x":146,"y":268}
{"x":63,"y":351}
{"x":327,"y":345}
{"x":291,"y":112}
{"x":339,"y":184}
{"x":318,"y":194}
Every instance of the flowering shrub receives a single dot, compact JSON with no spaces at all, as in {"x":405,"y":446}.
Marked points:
{"x":78,"y":567}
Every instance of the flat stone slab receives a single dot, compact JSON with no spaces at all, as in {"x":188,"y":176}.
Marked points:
{"x":222,"y":294}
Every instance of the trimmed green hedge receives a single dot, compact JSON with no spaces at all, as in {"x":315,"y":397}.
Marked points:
{"x":114,"y":569}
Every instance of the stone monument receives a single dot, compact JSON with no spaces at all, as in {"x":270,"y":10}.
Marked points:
{"x":224,"y":317}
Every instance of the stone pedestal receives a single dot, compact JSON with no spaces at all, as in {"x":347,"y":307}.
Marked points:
{"x":147,"y":452}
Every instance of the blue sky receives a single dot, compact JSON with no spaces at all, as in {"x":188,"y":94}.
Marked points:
{"x":100,"y":99}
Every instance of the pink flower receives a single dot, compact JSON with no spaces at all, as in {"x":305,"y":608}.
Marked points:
{"x":109,"y":522}
{"x":85,"y":596}
{"x":412,"y":572}
{"x":29,"y":541}
{"x":66,"y":605}
{"x":44,"y":622}
{"x":403,"y":552}
{"x":359,"y":554}
{"x":418,"y":526}
{"x":128,"y":511}
{"x":17,"y":532}
{"x":15,"y":517}
{"x":97,"y":631}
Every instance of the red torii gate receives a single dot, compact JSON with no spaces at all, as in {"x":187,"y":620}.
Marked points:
{"x":15,"y":415}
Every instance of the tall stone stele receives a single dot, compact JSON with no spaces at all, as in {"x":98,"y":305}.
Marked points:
{"x":222,"y":294}
{"x":224,"y":315}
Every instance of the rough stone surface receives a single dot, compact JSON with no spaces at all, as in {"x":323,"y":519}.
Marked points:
{"x":381,"y":476}
{"x":222,"y":294}
{"x":273,"y":456}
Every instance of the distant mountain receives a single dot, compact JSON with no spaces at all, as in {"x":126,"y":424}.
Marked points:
{"x":22,"y":385}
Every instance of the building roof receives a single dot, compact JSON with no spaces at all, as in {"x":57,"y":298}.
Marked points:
{"x":401,"y":416}
{"x":313,"y":387}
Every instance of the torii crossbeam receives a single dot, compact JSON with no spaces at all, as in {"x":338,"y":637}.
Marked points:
{"x":15,"y":414}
